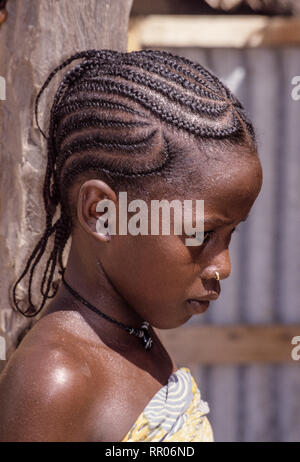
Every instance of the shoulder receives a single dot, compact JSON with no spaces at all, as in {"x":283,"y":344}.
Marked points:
{"x":47,"y":387}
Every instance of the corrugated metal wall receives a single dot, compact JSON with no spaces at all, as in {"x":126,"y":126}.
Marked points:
{"x":260,"y":402}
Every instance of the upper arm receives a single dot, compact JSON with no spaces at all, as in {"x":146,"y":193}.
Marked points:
{"x":44,"y":396}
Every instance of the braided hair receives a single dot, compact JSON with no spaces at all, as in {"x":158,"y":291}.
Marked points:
{"x":110,"y":115}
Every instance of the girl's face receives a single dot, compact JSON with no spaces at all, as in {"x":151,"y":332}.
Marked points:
{"x":164,"y":280}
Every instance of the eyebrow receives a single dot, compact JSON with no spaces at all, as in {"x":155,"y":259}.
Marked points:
{"x":219,"y":221}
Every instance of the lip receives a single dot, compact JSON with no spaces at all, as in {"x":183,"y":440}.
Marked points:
{"x":197,"y":306}
{"x":210,"y":296}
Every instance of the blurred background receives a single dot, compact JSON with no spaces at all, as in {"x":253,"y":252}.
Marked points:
{"x":240,"y":350}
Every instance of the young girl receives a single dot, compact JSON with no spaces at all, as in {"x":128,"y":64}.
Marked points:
{"x":92,"y":368}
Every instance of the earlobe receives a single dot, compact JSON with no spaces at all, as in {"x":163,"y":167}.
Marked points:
{"x":106,"y":221}
{"x":103,"y":236}
{"x":93,"y":197}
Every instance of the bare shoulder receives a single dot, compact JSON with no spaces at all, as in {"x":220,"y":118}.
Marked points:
{"x":47,"y":387}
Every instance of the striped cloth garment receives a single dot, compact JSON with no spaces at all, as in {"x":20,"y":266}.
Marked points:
{"x":175,"y":413}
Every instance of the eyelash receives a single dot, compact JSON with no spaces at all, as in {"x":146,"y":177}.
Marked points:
{"x":208,"y":233}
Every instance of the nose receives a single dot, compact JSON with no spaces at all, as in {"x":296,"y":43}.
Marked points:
{"x":220,"y":263}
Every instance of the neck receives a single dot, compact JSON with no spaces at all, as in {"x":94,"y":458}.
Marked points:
{"x":85,"y":274}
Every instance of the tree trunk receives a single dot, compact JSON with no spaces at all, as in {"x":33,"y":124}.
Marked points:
{"x":37,"y":35}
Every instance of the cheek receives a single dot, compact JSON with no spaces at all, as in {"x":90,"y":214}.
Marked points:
{"x":152,"y":267}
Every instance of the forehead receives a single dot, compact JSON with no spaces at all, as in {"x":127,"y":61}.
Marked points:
{"x":229,"y":182}
{"x":227,"y":178}
{"x":231,"y":188}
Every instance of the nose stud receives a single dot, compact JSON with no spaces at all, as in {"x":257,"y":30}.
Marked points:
{"x":217,"y":275}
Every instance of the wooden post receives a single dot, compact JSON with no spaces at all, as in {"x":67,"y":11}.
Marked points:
{"x":233,"y":344}
{"x":37,"y":35}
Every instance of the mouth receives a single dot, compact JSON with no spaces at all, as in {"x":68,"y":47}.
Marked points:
{"x":199,"y":305}
{"x":211,"y":295}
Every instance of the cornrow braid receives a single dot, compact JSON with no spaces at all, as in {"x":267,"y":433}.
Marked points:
{"x":112,"y":114}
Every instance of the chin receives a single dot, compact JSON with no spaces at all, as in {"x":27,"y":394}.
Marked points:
{"x":170,"y":323}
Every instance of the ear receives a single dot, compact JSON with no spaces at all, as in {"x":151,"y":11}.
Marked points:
{"x":90,"y":194}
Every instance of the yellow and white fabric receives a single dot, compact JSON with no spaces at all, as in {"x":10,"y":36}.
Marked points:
{"x":175,"y":413}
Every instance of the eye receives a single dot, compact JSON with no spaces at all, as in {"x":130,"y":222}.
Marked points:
{"x":207,"y":234}
{"x":205,"y":237}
